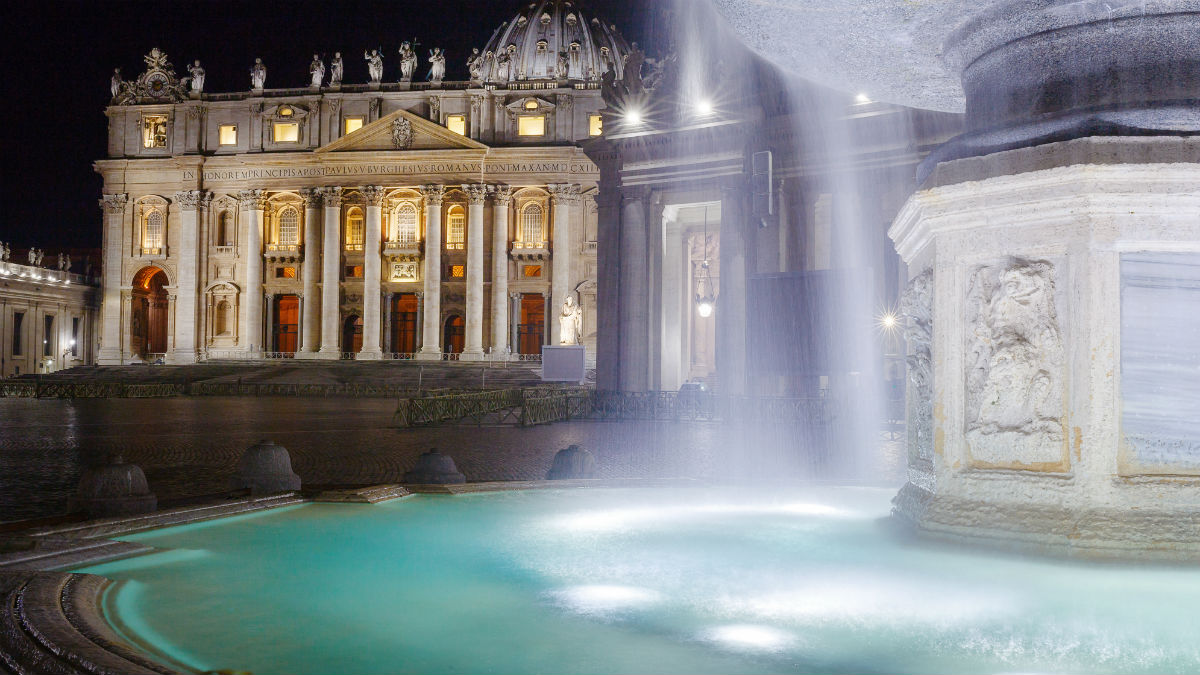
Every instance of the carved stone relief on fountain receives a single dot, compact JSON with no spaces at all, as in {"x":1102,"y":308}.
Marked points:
{"x":916,"y":307}
{"x":1015,"y":367}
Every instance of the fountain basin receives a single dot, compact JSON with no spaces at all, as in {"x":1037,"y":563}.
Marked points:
{"x":689,"y":580}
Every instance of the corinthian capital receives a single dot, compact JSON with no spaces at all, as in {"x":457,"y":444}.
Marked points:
{"x":502,"y":194}
{"x":477,"y":193}
{"x":114,"y":203}
{"x":373,"y":194}
{"x":332,"y":196}
{"x":190,"y":200}
{"x":564,"y":192}
{"x":312,"y":198}
{"x":253,"y":200}
{"x":433,"y":194}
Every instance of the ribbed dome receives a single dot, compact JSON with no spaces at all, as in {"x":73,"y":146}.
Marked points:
{"x":529,"y":46}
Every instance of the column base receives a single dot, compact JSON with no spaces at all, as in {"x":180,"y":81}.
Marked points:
{"x":182,"y":358}
{"x":429,"y":356}
{"x":328,"y":355}
{"x":472,"y":356}
{"x":308,"y":356}
{"x":365,"y":355}
{"x":110,"y":358}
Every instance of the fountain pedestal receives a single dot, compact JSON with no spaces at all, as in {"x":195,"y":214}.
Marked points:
{"x":1030,"y":421}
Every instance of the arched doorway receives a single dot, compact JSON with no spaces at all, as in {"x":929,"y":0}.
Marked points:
{"x":287,"y":324}
{"x":454,"y":334}
{"x":148,"y":315}
{"x":352,"y":332}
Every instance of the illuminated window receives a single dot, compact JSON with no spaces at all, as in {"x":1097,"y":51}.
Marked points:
{"x":289,"y":227}
{"x":595,"y":125}
{"x":152,"y":237}
{"x":351,"y":125}
{"x":456,"y":230}
{"x":531,"y":104}
{"x":405,"y":218}
{"x":227,"y":134}
{"x":533,"y":232}
{"x":458,"y":271}
{"x":354,"y":271}
{"x":532,"y":271}
{"x":354,"y":231}
{"x":531,"y":125}
{"x":457,"y":124}
{"x":154,"y":131}
{"x":285,"y":132}
{"x":285,"y":272}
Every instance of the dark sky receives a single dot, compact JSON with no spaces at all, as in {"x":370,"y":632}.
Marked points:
{"x":59,"y":56}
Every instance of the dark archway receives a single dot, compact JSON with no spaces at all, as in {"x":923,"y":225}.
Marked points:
{"x":454,"y":335}
{"x":352,"y":334}
{"x":148,"y":315}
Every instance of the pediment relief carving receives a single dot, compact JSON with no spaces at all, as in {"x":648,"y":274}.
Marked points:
{"x":399,"y":131}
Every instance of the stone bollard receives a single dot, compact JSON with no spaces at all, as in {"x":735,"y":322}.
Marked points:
{"x":115,"y":489}
{"x":572,"y":462}
{"x":266,"y":468}
{"x":434,"y":468}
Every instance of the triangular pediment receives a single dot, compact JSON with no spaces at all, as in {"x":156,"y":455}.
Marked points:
{"x":401,"y":131}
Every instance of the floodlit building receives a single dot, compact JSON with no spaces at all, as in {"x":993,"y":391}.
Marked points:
{"x":397,"y":218}
{"x":47,"y":314}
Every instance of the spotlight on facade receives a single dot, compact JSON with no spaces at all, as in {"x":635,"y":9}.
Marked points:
{"x":633,"y":117}
{"x":704,"y":107}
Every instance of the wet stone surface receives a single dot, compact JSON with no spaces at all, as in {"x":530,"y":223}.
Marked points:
{"x":190,"y":447}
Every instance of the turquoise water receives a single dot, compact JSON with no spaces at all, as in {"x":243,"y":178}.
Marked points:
{"x":685,"y":580}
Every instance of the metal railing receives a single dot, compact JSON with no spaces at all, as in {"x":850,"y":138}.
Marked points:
{"x":60,"y":389}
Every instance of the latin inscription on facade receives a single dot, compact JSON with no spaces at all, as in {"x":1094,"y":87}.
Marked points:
{"x":398,"y":169}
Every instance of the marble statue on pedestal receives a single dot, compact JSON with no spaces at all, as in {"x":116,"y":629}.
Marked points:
{"x":570,"y":322}
{"x":437,"y":67}
{"x":374,"y":65}
{"x":408,"y":62}
{"x":115,"y":85}
{"x":475,"y":66}
{"x":258,"y":74}
{"x":336,"y":68}
{"x":316,"y":71}
{"x":197,"y":77}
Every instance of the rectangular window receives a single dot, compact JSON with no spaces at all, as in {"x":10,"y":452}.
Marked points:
{"x":595,"y":125}
{"x":351,"y":125}
{"x":154,"y":131}
{"x":286,"y":132}
{"x":75,"y":336}
{"x":457,"y":124}
{"x":48,"y":335}
{"x":532,"y":271}
{"x":285,"y":272}
{"x":458,"y":271}
{"x":17,"y":324}
{"x":531,"y":125}
{"x":354,"y":271}
{"x":227,"y":134}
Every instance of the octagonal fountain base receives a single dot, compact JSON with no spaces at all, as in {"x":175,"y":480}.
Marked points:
{"x":1053,"y":325}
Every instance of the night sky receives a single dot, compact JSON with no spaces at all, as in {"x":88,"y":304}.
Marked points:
{"x":59,"y":56}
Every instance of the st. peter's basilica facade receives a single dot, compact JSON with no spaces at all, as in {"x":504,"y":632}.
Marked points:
{"x":392,"y":219}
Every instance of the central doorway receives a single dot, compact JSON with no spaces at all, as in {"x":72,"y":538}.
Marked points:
{"x":287,"y":324}
{"x":148,"y":315}
{"x":404,"y":323}
{"x":352,"y":334}
{"x":454,"y":335}
{"x":531,"y":331}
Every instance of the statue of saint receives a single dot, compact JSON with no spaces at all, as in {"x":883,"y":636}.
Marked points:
{"x":503,"y":67}
{"x":116,"y":82}
{"x":258,"y":75}
{"x":316,"y":70}
{"x":437,"y":67}
{"x":570,"y":322}
{"x":374,"y":65}
{"x":408,"y":61}
{"x":563,"y":68}
{"x":197,"y":77}
{"x":336,"y":69}
{"x":475,"y":66}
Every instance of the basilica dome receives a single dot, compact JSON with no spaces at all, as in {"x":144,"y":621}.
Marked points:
{"x":552,"y":40}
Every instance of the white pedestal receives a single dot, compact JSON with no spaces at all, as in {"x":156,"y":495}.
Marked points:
{"x":565,"y":363}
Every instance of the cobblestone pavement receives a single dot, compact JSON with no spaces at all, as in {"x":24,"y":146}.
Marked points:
{"x":190,"y":447}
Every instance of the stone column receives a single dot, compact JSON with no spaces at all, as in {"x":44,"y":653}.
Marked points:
{"x":514,"y":313}
{"x":371,"y":273}
{"x":192,"y":204}
{"x":608,"y":284}
{"x":560,"y":271}
{"x":269,"y":337}
{"x":473,"y":341}
{"x":431,"y":349}
{"x":254,"y":203}
{"x":331,"y":260}
{"x":420,"y":318}
{"x":111,"y":352}
{"x":634,"y":311}
{"x":675,"y":301}
{"x":310,"y":336}
{"x":501,"y":199}
{"x":731,"y":300}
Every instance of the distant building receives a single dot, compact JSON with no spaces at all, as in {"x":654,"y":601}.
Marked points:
{"x":48,"y":317}
{"x":398,"y":218}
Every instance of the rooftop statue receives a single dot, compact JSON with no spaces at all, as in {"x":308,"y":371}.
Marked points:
{"x":158,"y":84}
{"x":374,"y":65}
{"x":563,"y":67}
{"x":475,"y":65}
{"x":336,"y":69}
{"x":116,"y":82}
{"x":258,"y":75}
{"x":197,"y":77}
{"x":316,"y":70}
{"x":437,"y":68}
{"x":408,"y":61}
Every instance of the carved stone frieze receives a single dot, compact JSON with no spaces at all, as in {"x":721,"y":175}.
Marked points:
{"x":1015,"y":367}
{"x":402,"y":133}
{"x":190,"y":200}
{"x":916,"y":309}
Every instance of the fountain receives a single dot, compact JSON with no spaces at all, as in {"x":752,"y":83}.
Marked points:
{"x":1054,"y":258}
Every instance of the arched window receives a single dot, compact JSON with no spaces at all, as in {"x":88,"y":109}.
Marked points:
{"x":221,"y":320}
{"x":354,"y":230}
{"x":533,"y":229}
{"x":225,"y":229}
{"x":152,"y":238}
{"x":289,"y":227}
{"x":405,"y":219}
{"x":456,"y":230}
